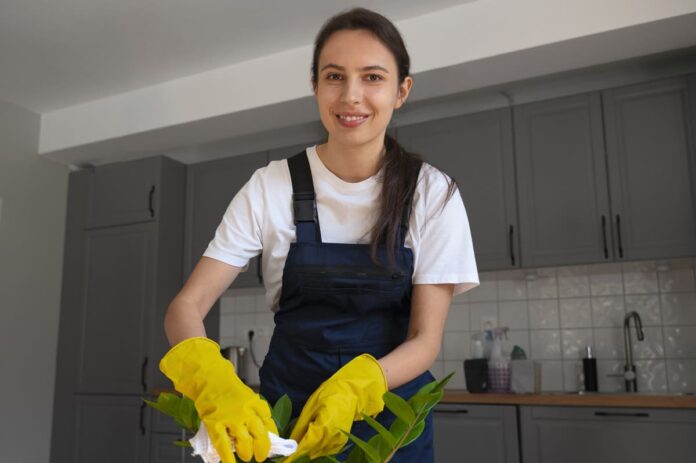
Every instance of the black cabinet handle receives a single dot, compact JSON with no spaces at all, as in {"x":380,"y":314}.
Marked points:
{"x":618,"y":230}
{"x":624,"y":414}
{"x":604,"y":237}
{"x":152,"y":195}
{"x":259,"y":269}
{"x":512,"y":249}
{"x":142,"y":418}
{"x":460,"y":411}
{"x":143,"y":373}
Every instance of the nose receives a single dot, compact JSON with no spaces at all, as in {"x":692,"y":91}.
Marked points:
{"x":352,"y":91}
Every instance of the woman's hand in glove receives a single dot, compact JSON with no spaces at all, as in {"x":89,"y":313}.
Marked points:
{"x":230,"y":410}
{"x":356,"y":388}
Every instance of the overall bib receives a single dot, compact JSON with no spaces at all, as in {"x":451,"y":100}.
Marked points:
{"x":336,"y":304}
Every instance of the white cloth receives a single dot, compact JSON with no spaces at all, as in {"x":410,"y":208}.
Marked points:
{"x":259,"y":218}
{"x":203,"y":447}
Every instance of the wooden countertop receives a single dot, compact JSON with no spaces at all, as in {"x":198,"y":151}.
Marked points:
{"x":585,"y":399}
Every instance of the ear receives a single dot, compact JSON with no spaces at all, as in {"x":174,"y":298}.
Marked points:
{"x":404,"y":91}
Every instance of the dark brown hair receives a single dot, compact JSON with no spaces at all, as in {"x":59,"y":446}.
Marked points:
{"x":401,"y":167}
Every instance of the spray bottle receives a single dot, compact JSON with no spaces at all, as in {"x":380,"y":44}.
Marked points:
{"x":498,"y":364}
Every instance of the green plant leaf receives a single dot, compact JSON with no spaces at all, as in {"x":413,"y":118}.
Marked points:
{"x":166,"y":403}
{"x":382,"y":431}
{"x":281,"y":412}
{"x":289,"y":428}
{"x":182,"y":443}
{"x":381,"y":446}
{"x":186,"y":413}
{"x":356,"y":456}
{"x":169,"y":405}
{"x":414,"y":433}
{"x":421,"y":403}
{"x":398,"y":406}
{"x":367,"y":449}
{"x":398,"y":428}
{"x":326,"y":459}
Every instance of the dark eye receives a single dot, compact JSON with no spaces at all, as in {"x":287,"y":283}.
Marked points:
{"x":333,"y":76}
{"x":374,"y":77}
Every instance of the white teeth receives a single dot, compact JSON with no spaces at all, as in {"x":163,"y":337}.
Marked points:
{"x":352,"y":118}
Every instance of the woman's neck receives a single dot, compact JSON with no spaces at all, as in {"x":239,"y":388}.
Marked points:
{"x":352,"y":163}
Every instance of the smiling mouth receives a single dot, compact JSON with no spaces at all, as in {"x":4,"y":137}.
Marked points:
{"x":351,"y":118}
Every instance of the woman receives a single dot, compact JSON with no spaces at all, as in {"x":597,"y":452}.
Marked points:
{"x":364,"y":246}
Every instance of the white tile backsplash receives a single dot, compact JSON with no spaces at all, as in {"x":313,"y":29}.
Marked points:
{"x":681,"y":375}
{"x":677,"y":280}
{"x":647,"y":306}
{"x":576,"y":312}
{"x":678,"y":308}
{"x":574,"y":342}
{"x":514,"y":314}
{"x":546,"y":344}
{"x":543,"y":313}
{"x":553,"y":313}
{"x":607,"y":311}
{"x":458,"y":317}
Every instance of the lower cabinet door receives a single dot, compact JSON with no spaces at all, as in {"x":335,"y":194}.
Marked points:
{"x":110,"y":429}
{"x":607,"y":435}
{"x":475,"y":433}
{"x":163,"y":450}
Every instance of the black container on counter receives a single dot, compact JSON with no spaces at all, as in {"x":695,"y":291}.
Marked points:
{"x":476,"y":375}
{"x":589,"y":370}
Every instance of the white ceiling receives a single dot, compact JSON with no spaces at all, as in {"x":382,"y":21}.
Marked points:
{"x":59,"y":53}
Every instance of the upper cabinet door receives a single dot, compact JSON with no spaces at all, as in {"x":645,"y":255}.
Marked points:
{"x":476,"y":150}
{"x":562,"y":184}
{"x":210,"y":189}
{"x":117,"y":299}
{"x":123,"y":193}
{"x":650,"y":149}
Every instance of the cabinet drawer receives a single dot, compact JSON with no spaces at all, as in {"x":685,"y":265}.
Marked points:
{"x":607,"y":435}
{"x":475,"y":433}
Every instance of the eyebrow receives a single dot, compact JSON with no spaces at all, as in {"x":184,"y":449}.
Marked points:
{"x":366,"y":68}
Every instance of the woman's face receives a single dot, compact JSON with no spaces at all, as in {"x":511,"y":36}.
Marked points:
{"x":357,"y":87}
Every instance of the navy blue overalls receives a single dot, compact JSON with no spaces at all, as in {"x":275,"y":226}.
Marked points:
{"x":336,"y":304}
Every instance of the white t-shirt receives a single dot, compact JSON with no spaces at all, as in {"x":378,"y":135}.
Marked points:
{"x":260,"y":218}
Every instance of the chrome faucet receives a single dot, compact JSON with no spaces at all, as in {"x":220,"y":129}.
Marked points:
{"x":630,"y":369}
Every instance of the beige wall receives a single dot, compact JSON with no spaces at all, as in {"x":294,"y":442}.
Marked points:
{"x":32,"y":223}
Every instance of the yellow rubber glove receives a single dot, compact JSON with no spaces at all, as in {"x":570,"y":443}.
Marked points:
{"x":228,"y":408}
{"x":355,"y":388}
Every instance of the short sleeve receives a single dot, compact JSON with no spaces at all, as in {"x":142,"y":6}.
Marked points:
{"x":444,"y":249}
{"x":238,"y":237}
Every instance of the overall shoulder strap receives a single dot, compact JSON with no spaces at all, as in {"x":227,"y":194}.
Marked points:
{"x":304,"y":204}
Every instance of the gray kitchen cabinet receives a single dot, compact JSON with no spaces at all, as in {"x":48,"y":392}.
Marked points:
{"x":210,"y":188}
{"x":651,"y":147}
{"x":465,"y":432}
{"x":110,"y":429}
{"x":477,"y":151}
{"x":117,"y":285}
{"x":563,"y":200}
{"x":123,"y":193}
{"x":119,"y":266}
{"x":607,"y":435}
{"x":164,"y":451}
